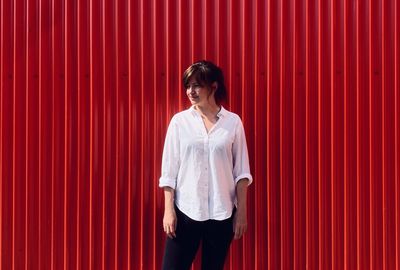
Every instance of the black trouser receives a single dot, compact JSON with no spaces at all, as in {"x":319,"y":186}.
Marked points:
{"x":216,"y":237}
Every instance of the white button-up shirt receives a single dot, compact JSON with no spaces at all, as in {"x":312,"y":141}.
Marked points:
{"x":202,"y":167}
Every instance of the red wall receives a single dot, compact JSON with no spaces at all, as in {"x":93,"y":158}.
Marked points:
{"x":88,"y":88}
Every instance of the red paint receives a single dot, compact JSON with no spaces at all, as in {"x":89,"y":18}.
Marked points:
{"x":87,"y":91}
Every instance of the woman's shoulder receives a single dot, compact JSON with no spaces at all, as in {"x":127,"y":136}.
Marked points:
{"x":180,"y":115}
{"x":232,"y":115}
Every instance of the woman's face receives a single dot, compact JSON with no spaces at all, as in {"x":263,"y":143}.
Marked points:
{"x":198,"y":94}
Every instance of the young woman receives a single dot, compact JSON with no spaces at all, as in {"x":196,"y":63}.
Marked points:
{"x":205,"y":174}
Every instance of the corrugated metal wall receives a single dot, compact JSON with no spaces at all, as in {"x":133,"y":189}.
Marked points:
{"x":88,"y":88}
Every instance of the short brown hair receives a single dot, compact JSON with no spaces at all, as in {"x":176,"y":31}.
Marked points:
{"x":206,"y":73}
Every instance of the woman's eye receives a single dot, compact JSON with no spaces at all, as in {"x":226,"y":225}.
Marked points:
{"x":194,"y":86}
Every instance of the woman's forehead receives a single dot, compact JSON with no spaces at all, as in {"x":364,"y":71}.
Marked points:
{"x":193,"y":79}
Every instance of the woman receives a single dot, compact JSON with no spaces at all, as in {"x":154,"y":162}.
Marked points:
{"x":205,"y":174}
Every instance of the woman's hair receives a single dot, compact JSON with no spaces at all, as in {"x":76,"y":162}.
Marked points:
{"x":206,"y":73}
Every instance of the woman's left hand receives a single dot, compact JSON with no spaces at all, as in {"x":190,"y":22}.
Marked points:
{"x":239,"y":223}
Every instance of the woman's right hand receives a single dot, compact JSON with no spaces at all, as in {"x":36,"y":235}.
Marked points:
{"x":169,"y":222}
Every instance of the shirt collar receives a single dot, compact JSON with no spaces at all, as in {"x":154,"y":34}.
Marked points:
{"x":222,"y":112}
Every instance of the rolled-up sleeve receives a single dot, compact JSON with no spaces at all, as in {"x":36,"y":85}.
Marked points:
{"x":170,"y":158}
{"x":241,"y":167}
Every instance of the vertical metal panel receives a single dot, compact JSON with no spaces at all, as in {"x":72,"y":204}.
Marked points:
{"x":87,"y":89}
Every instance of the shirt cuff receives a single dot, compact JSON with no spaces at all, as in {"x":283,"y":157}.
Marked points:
{"x":244,"y":175}
{"x":167,"y":182}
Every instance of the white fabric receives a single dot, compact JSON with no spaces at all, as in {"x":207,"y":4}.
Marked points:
{"x":205,"y":168}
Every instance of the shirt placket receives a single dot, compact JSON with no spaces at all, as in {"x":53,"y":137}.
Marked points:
{"x":206,"y":172}
{"x":204,"y":181}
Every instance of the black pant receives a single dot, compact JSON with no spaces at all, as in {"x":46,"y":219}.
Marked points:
{"x":216,"y":237}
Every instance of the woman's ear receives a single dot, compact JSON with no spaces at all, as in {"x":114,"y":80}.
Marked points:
{"x":214,"y":86}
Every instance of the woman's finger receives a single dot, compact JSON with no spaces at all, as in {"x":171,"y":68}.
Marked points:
{"x":168,"y":232}
{"x":172,"y":230}
{"x":237,"y":232}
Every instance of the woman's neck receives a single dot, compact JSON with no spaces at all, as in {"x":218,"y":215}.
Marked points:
{"x":209,"y":109}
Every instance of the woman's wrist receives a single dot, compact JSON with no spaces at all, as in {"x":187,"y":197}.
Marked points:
{"x":242,"y":207}
{"x":169,"y":199}
{"x":169,"y":205}
{"x":241,"y":193}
